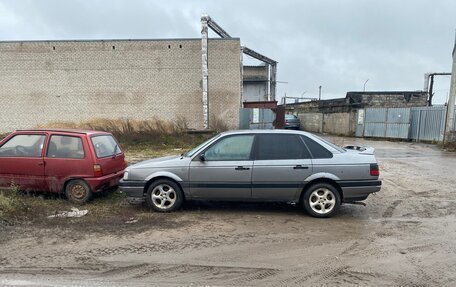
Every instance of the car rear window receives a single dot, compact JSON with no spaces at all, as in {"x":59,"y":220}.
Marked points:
{"x":316,"y":149}
{"x":280,"y":146}
{"x":105,"y":145}
{"x":290,"y":117}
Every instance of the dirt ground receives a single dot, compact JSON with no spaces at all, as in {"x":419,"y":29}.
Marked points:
{"x":405,"y":236}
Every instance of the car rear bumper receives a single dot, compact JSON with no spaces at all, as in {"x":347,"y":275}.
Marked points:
{"x":133,"y":189}
{"x":292,"y":126}
{"x":359,"y":190}
{"x":98,"y":184}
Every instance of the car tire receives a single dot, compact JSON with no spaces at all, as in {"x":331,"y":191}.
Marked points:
{"x":321,"y":200}
{"x":78,"y":191}
{"x":164,"y":196}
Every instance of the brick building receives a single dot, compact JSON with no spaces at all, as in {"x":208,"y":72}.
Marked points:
{"x":45,"y":81}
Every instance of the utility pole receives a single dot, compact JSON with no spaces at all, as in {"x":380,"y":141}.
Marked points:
{"x":450,"y":134}
{"x":204,"y":60}
{"x":431,"y":91}
{"x":319,"y":93}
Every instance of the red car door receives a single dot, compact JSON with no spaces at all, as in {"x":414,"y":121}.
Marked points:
{"x":66,"y":157}
{"x":21,"y":161}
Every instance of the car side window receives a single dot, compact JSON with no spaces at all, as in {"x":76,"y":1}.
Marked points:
{"x":316,"y":149}
{"x":230,"y":148}
{"x":280,"y":146}
{"x":65,"y":147}
{"x":23,"y":146}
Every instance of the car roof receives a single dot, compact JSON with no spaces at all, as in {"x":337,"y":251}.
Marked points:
{"x":275,"y":131}
{"x":68,"y":131}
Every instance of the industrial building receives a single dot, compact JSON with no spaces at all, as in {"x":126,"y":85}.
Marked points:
{"x":194,"y":79}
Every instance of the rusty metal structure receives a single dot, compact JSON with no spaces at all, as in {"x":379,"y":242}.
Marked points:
{"x":206,"y":23}
{"x":429,"y":84}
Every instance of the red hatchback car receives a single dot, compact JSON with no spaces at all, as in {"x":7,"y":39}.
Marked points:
{"x":76,"y":162}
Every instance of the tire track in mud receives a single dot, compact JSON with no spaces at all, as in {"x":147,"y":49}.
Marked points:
{"x":176,"y":245}
{"x":390,"y":210}
{"x":162,"y":273}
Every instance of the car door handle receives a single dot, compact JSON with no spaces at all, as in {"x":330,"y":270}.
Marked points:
{"x":300,"y":167}
{"x":241,"y":168}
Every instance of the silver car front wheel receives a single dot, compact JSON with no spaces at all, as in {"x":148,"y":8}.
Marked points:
{"x":164,"y":195}
{"x":321,"y":200}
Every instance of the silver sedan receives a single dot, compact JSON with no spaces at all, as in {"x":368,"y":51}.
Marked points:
{"x":264,"y":165}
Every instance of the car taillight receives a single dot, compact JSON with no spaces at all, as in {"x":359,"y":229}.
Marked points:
{"x":286,"y":121}
{"x":97,"y":172}
{"x":374,"y":171}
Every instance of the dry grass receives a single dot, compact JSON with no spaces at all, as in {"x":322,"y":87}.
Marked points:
{"x":140,"y":132}
{"x":16,"y":206}
{"x":217,"y":124}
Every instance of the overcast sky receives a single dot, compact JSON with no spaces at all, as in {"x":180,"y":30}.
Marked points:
{"x":336,"y":44}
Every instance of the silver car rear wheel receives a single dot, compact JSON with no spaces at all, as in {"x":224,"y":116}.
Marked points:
{"x":164,"y":196}
{"x":321,"y":200}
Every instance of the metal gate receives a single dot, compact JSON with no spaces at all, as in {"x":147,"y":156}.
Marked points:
{"x":256,"y":118}
{"x":386,"y":123}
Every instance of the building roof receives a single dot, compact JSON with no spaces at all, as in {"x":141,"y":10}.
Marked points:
{"x":387,"y":93}
{"x":113,"y":40}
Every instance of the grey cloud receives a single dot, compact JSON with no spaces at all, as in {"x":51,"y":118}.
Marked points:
{"x":337,"y":44}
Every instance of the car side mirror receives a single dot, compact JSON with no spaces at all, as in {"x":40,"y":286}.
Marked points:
{"x":201,"y":157}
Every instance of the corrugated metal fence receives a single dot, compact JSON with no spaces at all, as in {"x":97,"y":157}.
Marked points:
{"x":421,"y":123}
{"x":427,"y":123}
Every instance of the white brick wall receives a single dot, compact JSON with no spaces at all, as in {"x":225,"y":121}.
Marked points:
{"x":75,"y":81}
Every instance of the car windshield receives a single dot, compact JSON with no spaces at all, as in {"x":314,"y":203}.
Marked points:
{"x":191,"y":152}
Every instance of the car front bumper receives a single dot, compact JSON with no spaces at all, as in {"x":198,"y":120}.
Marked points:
{"x":134,"y":189}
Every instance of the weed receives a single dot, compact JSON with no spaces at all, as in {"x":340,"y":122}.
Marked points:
{"x":128,"y":132}
{"x":217,"y":124}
